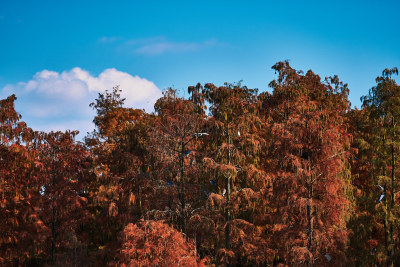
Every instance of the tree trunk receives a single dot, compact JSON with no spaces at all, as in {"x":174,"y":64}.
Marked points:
{"x":309,"y":210}
{"x":182,"y":191}
{"x":385,"y":223}
{"x":228,"y":197}
{"x":53,"y":217}
{"x":392,"y":193}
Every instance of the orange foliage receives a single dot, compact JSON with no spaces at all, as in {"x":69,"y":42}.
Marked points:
{"x":151,"y":243}
{"x":288,"y":178}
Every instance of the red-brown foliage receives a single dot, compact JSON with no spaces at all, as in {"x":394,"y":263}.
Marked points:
{"x":151,"y":243}
{"x":288,"y":178}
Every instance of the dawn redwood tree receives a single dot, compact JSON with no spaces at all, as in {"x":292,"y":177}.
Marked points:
{"x":118,"y":149}
{"x":367,"y":221}
{"x":198,"y":98}
{"x":240,"y":187}
{"x":153,"y":243}
{"x":63,"y":203}
{"x":174,"y":136}
{"x":222,"y":110}
{"x":383,"y":106}
{"x":287,"y":178}
{"x":21,"y":229}
{"x":308,"y":160}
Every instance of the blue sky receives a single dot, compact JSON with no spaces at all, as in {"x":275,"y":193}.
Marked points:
{"x":57,"y":55}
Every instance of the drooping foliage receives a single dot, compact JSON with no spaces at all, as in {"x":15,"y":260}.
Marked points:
{"x":153,"y":243}
{"x":118,"y":151}
{"x":239,"y":186}
{"x":378,"y":147}
{"x":21,"y":226}
{"x":225,"y":177}
{"x":64,"y":196}
{"x":174,"y":135}
{"x":309,"y":162}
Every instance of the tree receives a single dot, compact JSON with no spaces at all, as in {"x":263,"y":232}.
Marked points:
{"x":118,"y":149}
{"x":367,"y":237}
{"x":64,"y":180}
{"x":21,"y":228}
{"x":151,"y":243}
{"x":383,"y":104}
{"x":308,"y":160}
{"x":233,"y":151}
{"x":289,"y":177}
{"x":176,"y":129}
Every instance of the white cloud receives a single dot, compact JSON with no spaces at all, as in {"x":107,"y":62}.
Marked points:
{"x":59,"y":101}
{"x":139,"y":92}
{"x":84,"y":126}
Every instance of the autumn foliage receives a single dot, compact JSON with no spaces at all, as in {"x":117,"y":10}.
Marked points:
{"x":152,"y":243}
{"x":226,"y":177}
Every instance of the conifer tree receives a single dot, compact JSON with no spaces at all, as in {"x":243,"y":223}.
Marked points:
{"x":383,"y":104}
{"x":309,"y":145}
{"x":64,"y":184}
{"x":233,"y":151}
{"x":117,"y":149}
{"x":21,"y":229}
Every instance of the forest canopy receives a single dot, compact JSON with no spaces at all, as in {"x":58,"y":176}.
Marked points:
{"x":225,"y":177}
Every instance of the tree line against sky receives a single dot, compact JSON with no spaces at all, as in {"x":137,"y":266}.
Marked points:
{"x":227,"y":176}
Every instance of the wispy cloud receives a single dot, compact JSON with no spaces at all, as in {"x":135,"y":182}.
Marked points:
{"x":157,"y":45}
{"x":108,"y":39}
{"x":164,"y":46}
{"x":137,"y":42}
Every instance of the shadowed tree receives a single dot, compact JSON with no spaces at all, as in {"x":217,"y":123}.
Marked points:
{"x":383,"y":107}
{"x":174,"y":136}
{"x":367,"y":238}
{"x":240,"y":186}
